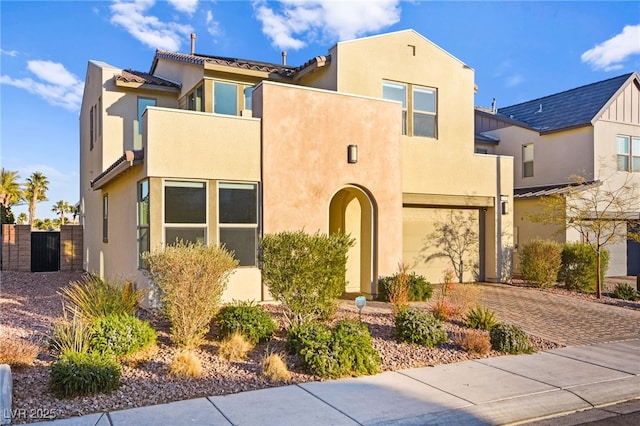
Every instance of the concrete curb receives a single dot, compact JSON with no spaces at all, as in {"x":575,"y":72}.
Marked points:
{"x":6,"y":389}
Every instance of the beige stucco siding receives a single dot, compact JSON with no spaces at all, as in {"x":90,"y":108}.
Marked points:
{"x":305,"y":137}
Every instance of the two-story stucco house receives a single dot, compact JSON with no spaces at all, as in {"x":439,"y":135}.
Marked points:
{"x":591,"y":131}
{"x":374,"y":139}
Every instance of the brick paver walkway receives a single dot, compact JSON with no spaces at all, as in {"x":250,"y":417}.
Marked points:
{"x":561,"y":319}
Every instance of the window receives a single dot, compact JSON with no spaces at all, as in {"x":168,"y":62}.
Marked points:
{"x":397,"y":92}
{"x":91,"y":127}
{"x":195,"y":99}
{"x":105,"y":218}
{"x":423,"y":107}
{"x":481,"y":151}
{"x":527,"y":160}
{"x":424,"y":112}
{"x":143,"y":221}
{"x":238,"y":220}
{"x":628,"y":153}
{"x":225,"y":98}
{"x":185,"y":211}
{"x":248,"y":97}
{"x":99,"y":119}
{"x":143,"y":103}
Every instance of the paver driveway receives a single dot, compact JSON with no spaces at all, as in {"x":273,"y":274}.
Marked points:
{"x":561,"y":319}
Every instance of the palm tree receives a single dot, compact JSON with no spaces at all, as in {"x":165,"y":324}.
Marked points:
{"x":62,"y":207}
{"x":10,"y":192}
{"x":22,"y":219}
{"x":36,"y":189}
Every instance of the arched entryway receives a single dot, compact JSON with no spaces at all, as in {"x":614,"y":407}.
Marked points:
{"x":352,"y":211}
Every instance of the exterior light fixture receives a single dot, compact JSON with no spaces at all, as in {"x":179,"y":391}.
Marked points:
{"x":361,"y":302}
{"x":352,"y":154}
{"x":504,"y":202}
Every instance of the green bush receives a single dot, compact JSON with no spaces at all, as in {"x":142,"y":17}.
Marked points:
{"x":420,"y":290}
{"x":509,"y":338}
{"x":247,"y":319}
{"x":83,"y":373}
{"x":625,"y":292}
{"x":120,"y":335}
{"x":91,"y":297}
{"x":540,"y":261}
{"x":191,"y":279}
{"x":345,"y":351}
{"x":481,"y":318}
{"x":578,"y":271}
{"x":419,"y":327}
{"x":305,"y":272}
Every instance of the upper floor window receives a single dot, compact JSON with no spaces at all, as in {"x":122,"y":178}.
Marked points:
{"x":91,"y":127}
{"x":143,"y":103}
{"x":248,"y":97}
{"x":195,"y":99}
{"x":527,"y":160}
{"x":225,"y":98}
{"x":419,"y":112}
{"x":628,"y":153}
{"x":238,"y":220}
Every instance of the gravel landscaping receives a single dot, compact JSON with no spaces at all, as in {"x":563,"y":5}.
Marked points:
{"x":29,"y":305}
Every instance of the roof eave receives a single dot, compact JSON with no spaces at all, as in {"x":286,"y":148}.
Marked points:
{"x":633,"y":77}
{"x":121,"y":165}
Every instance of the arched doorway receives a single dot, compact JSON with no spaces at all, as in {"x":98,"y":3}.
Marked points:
{"x":352,"y":211}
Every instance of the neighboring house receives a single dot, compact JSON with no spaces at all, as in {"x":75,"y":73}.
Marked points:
{"x":591,"y":131}
{"x":374,"y":139}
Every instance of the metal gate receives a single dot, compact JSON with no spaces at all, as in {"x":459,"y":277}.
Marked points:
{"x":633,"y":252}
{"x":45,"y":251}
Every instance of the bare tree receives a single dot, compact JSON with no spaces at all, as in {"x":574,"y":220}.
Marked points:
{"x":600,"y":212}
{"x":455,"y":239}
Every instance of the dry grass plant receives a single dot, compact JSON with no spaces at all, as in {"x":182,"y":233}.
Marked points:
{"x":235,"y":347}
{"x":473,"y":341}
{"x":70,"y":334}
{"x":142,"y":356}
{"x":186,"y":364}
{"x":17,"y":353}
{"x":275,"y":369}
{"x":463,"y":297}
{"x":399,"y":289}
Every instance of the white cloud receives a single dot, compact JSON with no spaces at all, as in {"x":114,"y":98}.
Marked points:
{"x":146,"y":28}
{"x":213,"y":27}
{"x":9,"y":52}
{"x":57,"y":85}
{"x":609,"y":54}
{"x":513,"y":80}
{"x":187,"y":6}
{"x":300,"y":21}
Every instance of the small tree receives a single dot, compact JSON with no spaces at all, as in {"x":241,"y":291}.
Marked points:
{"x":454,"y":239}
{"x":305,"y":272}
{"x":598,"y":211}
{"x":62,"y":207}
{"x":191,"y":278}
{"x":35,"y":191}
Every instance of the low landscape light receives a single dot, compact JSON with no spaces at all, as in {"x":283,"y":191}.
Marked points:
{"x":361,"y":302}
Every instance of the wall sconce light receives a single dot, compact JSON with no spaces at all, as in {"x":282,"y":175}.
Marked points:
{"x":352,"y":154}
{"x":504,"y":202}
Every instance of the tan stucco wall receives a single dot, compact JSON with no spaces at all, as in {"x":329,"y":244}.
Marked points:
{"x":305,"y":137}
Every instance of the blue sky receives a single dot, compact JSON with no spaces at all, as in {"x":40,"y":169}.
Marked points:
{"x":519,"y":51}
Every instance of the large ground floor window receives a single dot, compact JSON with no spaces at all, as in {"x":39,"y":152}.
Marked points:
{"x":185,"y":211}
{"x":238,"y":220}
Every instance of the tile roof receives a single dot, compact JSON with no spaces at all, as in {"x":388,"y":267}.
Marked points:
{"x":543,"y":191}
{"x":199,"y":59}
{"x":572,"y":108}
{"x":131,"y":76}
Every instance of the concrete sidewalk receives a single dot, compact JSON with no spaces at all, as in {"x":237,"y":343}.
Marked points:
{"x":500,"y":390}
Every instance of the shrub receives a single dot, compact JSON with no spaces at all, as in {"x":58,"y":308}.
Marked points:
{"x":462,"y":297}
{"x":305,"y":272}
{"x":509,"y":338}
{"x":191,"y":279}
{"x":92,"y":297}
{"x":345,"y":351}
{"x":17,"y":353}
{"x":578,"y":271}
{"x":420,"y":290}
{"x":235,"y":347}
{"x":248,"y":319}
{"x":121,"y":335}
{"x":275,"y":369}
{"x":398,"y":289}
{"x":70,"y":335}
{"x":83,"y":373}
{"x":540,"y":261}
{"x":442,"y":310}
{"x":625,"y":292}
{"x":419,"y":327}
{"x":186,"y":364}
{"x":480,"y":317}
{"x":473,"y":341}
